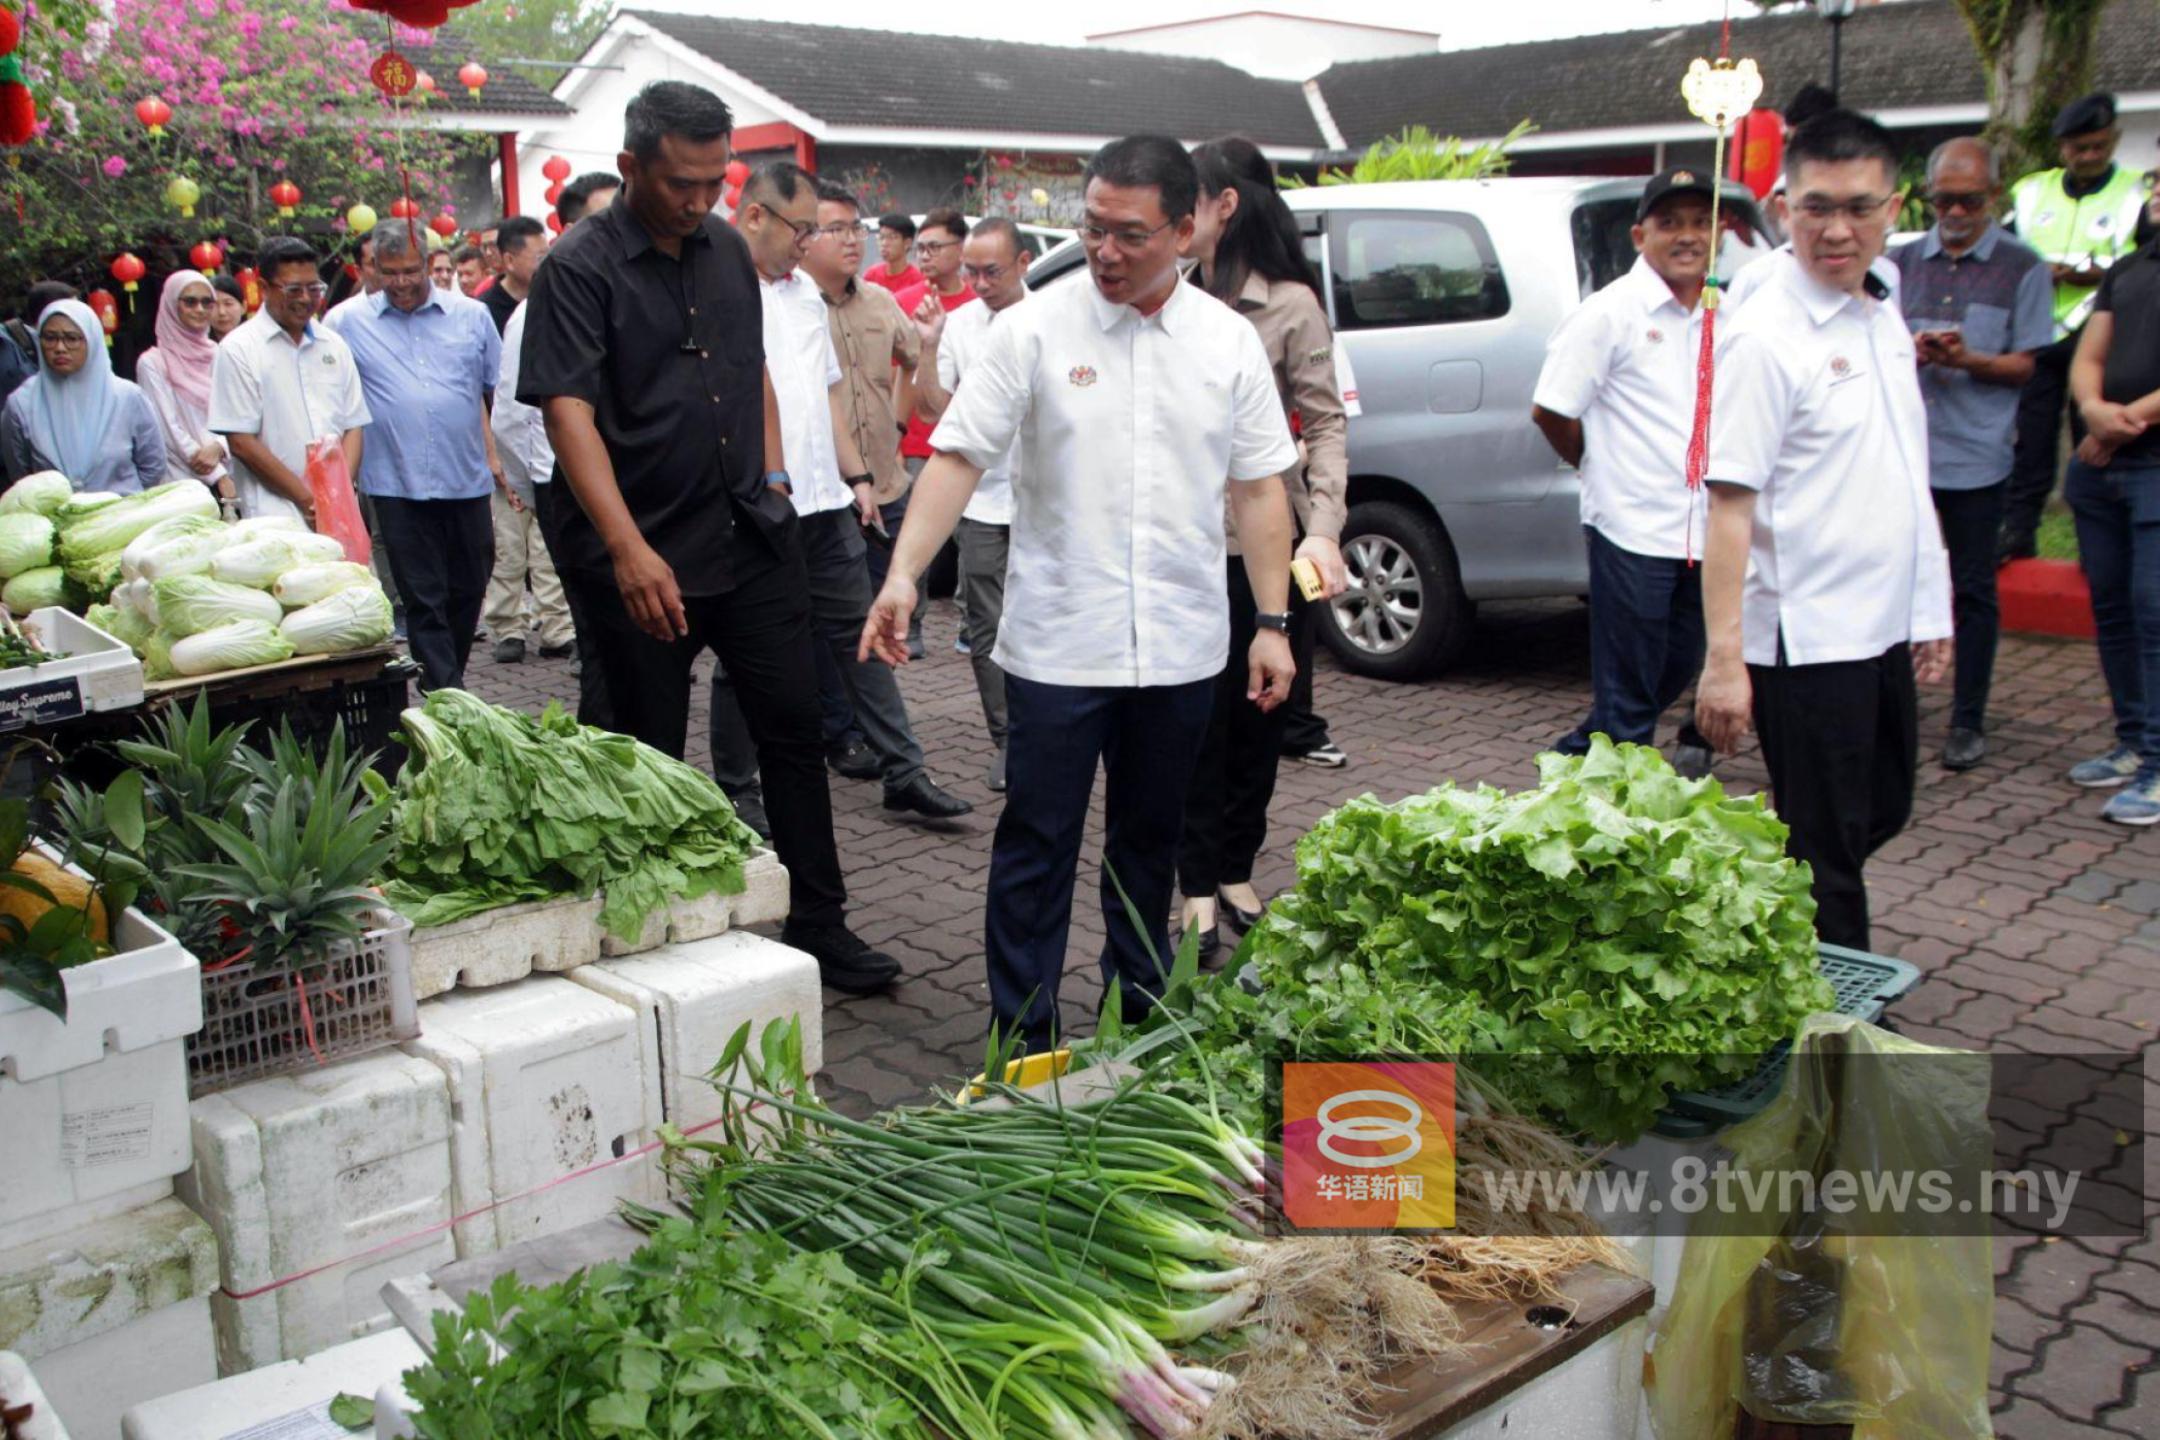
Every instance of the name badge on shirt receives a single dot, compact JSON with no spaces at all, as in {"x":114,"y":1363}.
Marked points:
{"x":1842,"y":370}
{"x":1081,"y":375}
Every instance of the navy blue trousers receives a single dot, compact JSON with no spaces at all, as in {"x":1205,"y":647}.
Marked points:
{"x":1646,"y":644}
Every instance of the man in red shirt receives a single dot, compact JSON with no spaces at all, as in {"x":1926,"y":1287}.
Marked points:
{"x":937,"y":251}
{"x":895,"y":237}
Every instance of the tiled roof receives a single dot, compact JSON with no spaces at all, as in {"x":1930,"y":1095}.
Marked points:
{"x":907,"y":81}
{"x":443,"y":51}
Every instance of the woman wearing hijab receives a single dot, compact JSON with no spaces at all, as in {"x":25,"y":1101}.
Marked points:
{"x":175,"y":378}
{"x":77,"y":417}
{"x":231,"y":312}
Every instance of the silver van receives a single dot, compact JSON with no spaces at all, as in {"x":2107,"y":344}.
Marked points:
{"x":1443,"y":292}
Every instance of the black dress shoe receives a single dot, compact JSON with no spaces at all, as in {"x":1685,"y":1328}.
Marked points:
{"x":855,"y":761}
{"x":996,"y":778}
{"x":1239,"y":919}
{"x":2016,"y":547}
{"x":922,"y":796}
{"x":1964,"y":749}
{"x":750,"y":809}
{"x":1210,"y":946}
{"x":557,"y":652}
{"x":844,"y":961}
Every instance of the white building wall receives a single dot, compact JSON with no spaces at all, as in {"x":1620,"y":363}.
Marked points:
{"x":1281,"y":47}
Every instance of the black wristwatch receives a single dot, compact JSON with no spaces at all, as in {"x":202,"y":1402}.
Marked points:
{"x":1278,"y":621}
{"x":866,"y":478}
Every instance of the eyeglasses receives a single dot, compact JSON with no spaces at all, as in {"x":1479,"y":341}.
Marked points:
{"x":58,"y":341}
{"x":1129,"y":238}
{"x":842,"y":232}
{"x":1821,"y":211}
{"x":303,"y":292}
{"x":934,"y":247}
{"x":1958,"y":200}
{"x":198,"y":302}
{"x":804,"y":229}
{"x":987,"y":274}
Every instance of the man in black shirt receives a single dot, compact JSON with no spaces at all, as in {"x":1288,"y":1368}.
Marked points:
{"x":523,"y":243}
{"x":2113,"y":489}
{"x":644,"y":350}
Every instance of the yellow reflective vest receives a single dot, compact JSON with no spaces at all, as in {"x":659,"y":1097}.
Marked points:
{"x":2088,"y":230}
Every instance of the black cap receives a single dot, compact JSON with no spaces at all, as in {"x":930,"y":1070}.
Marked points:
{"x":2083,"y":117}
{"x":1682,"y":180}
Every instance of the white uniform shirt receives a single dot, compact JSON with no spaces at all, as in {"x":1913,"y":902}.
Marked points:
{"x":1818,"y":407}
{"x":967,"y":330}
{"x":1780,"y":262}
{"x":1625,"y":365}
{"x":520,"y":429}
{"x":1129,"y":428}
{"x":290,"y":395}
{"x":799,"y":353}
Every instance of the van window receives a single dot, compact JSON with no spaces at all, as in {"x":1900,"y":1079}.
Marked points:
{"x":1604,"y":242}
{"x":1422,"y":268}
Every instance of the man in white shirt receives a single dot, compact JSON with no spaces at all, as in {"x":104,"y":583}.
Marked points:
{"x":280,"y":382}
{"x":1825,"y":587}
{"x":1136,"y":402}
{"x":528,"y":463}
{"x":1617,"y":401}
{"x":994,"y":260}
{"x":830,"y":487}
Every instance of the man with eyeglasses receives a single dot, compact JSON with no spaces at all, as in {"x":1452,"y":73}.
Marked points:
{"x":1979,"y":304}
{"x":994,"y":260}
{"x":280,"y":381}
{"x":943,"y":287}
{"x":1826,"y":593}
{"x":1136,"y":403}
{"x":895,"y":238}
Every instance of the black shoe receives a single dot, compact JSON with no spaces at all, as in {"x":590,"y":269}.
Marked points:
{"x":1210,"y":946}
{"x":996,"y":778}
{"x":750,"y":809}
{"x":1239,"y":918}
{"x":1964,"y":749}
{"x":1693,"y":762}
{"x":2015,"y":547}
{"x":510,"y":651}
{"x":915,"y":648}
{"x":855,"y":760}
{"x":844,"y":962}
{"x":922,"y":796}
{"x":557,"y":652}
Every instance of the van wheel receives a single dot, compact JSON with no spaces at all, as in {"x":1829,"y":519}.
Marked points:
{"x":1405,"y":614}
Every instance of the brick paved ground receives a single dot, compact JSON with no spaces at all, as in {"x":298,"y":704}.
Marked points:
{"x":2037,"y":924}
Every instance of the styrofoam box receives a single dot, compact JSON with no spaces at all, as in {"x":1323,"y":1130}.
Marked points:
{"x":93,"y":1111}
{"x":498,"y":946}
{"x":297,"y":1171}
{"x":546,"y":1080}
{"x":763,"y":900}
{"x":18,"y":1388}
{"x":93,"y":1384}
{"x":1596,"y":1395}
{"x":290,"y":1399}
{"x":690,"y":998}
{"x":110,"y":674}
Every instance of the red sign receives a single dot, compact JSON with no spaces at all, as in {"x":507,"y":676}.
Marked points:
{"x":393,"y":74}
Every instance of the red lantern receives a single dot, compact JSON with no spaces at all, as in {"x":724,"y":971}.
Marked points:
{"x":393,"y":74}
{"x":737,"y":173}
{"x":425,"y":84}
{"x":554,"y":193}
{"x":556,"y":169}
{"x":128,"y":269}
{"x":472,"y":75}
{"x":554,"y":222}
{"x":419,"y":14}
{"x":250,"y":288}
{"x":107,"y":310}
{"x":443,"y":225}
{"x":18,"y":112}
{"x":10,"y":32}
{"x":206,"y":256}
{"x":404,"y":208}
{"x":1758,"y":150}
{"x":734,"y":197}
{"x":286,"y":196}
{"x":153,"y":113}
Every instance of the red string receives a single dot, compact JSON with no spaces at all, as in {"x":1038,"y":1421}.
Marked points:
{"x":1698,"y":451}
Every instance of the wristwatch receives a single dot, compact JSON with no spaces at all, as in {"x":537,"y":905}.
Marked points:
{"x":866,"y":478}
{"x":1278,"y":621}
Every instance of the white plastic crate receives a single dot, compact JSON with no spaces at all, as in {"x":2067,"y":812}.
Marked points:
{"x":291,"y":1399}
{"x":498,"y":946}
{"x":691,"y":998}
{"x":297,"y":1171}
{"x":93,"y":1111}
{"x":263,"y":1018}
{"x":763,"y":900}
{"x":546,"y":1080}
{"x":92,"y":671}
{"x":19,"y":1388}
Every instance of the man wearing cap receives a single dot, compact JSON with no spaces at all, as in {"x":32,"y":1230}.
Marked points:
{"x":1617,"y":401}
{"x":2082,"y":218}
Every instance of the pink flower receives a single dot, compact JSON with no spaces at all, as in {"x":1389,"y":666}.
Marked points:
{"x":114,"y":167}
{"x":288,"y":24}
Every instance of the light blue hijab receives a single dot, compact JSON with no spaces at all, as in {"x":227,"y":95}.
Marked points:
{"x":70,"y":415}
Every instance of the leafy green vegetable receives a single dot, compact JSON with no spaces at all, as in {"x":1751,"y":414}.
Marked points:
{"x":39,"y":494}
{"x":305,"y":584}
{"x":122,"y":623}
{"x":35,"y":589}
{"x":26,"y":543}
{"x":1616,"y":912}
{"x":347,"y":619}
{"x":88,"y":534}
{"x":354,"y":1412}
{"x":190,"y":604}
{"x":495,"y":807}
{"x":183,"y":545}
{"x":234,"y":645}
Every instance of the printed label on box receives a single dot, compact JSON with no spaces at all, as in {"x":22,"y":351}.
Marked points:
{"x":313,"y":1423}
{"x":110,"y":1135}
{"x":40,"y":703}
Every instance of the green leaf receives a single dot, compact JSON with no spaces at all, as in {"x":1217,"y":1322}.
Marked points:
{"x":619,"y":1413}
{"x":14,"y":830}
{"x":352,"y":1411}
{"x":34,"y":978}
{"x":124,"y":809}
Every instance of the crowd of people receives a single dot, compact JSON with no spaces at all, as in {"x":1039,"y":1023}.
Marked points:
{"x":671,"y":433}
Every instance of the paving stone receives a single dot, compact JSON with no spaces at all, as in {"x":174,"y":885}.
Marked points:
{"x":2082,"y":1373}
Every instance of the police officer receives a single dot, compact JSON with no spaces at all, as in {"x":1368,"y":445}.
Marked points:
{"x":2082,"y":218}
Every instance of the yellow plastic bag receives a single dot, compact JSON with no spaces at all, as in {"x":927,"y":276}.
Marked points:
{"x":1806,"y":1324}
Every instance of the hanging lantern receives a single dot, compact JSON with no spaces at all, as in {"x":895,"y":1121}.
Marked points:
{"x":393,"y":74}
{"x":360,"y":219}
{"x":153,"y":113}
{"x":206,"y":256}
{"x":556,"y":169}
{"x":18,"y":107}
{"x":554,"y":222}
{"x":10,"y":32}
{"x":182,"y":193}
{"x":425,"y":85}
{"x":128,"y":269}
{"x":107,"y":310}
{"x":417,"y":14}
{"x":250,"y":288}
{"x":738,"y":172}
{"x":554,"y":193}
{"x":472,"y":75}
{"x":444,"y":226}
{"x":286,"y":196}
{"x":404,"y":208}
{"x":1758,"y":150}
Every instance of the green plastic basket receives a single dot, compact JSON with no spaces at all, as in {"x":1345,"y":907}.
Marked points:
{"x":1864,"y":985}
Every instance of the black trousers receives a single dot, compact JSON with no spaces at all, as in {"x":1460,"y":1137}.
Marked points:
{"x":442,"y":552}
{"x":2038,"y":458}
{"x":761,"y":632}
{"x":1304,"y":729}
{"x":1971,"y":525}
{"x":1233,"y":779}
{"x":1145,"y":739}
{"x":592,"y":707}
{"x":1841,"y":742}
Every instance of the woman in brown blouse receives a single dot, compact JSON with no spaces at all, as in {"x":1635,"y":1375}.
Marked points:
{"x":1249,"y":256}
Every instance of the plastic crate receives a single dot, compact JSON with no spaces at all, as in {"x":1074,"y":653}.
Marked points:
{"x":370,"y":709}
{"x":89,"y":670}
{"x":255,"y":1023}
{"x":1864,"y":983}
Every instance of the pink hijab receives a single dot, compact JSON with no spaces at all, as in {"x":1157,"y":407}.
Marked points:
{"x":187,"y":353}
